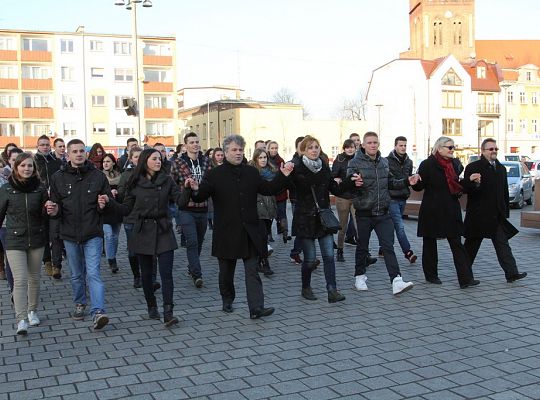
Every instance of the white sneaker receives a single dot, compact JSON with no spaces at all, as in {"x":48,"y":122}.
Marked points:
{"x":360,"y":282}
{"x":33,"y":319}
{"x":398,"y":286}
{"x":270,"y":250}
{"x":22,"y":327}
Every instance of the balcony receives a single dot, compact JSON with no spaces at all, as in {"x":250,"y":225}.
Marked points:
{"x":37,"y":84}
{"x":30,"y":141}
{"x":9,"y":113}
{"x":39,"y":56}
{"x":158,"y":86}
{"x":38,"y":112}
{"x":9,"y":83}
{"x":8,"y":55}
{"x":4,"y":140}
{"x":157,"y":60}
{"x":488,"y":109}
{"x":158,"y":113}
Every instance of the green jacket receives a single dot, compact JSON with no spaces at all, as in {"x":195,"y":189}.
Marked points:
{"x":25,"y":214}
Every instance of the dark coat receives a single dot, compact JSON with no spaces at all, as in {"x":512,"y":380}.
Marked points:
{"x":234,"y":189}
{"x":440,"y":211}
{"x":401,"y":169}
{"x":148,"y":202}
{"x":122,"y":190}
{"x":25,"y":215}
{"x":488,"y":202}
{"x":339,"y":170}
{"x":306,"y":222}
{"x":47,"y":165}
{"x":76,"y":190}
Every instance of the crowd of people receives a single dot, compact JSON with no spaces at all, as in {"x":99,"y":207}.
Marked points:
{"x":65,"y":202}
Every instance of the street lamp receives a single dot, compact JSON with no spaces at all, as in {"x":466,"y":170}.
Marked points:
{"x":132,"y":6}
{"x":379,"y":112}
{"x":505,"y":86}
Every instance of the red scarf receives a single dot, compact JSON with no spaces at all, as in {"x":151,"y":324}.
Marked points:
{"x":450,"y":173}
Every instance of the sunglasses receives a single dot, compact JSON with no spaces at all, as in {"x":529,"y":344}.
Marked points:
{"x":450,"y":147}
{"x":492,"y":149}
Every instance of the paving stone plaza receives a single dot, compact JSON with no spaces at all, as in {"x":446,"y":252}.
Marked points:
{"x":433,"y":342}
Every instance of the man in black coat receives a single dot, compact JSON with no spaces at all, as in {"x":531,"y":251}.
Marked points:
{"x":233,"y":187}
{"x":488,"y":210}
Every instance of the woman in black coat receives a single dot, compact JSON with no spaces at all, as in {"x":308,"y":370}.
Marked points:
{"x":147,"y":198}
{"x":311,"y":174}
{"x":440,"y":212}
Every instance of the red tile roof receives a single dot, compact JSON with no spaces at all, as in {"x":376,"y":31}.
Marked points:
{"x":509,"y":53}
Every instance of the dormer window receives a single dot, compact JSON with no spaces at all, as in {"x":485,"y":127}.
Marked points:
{"x":481,"y":72}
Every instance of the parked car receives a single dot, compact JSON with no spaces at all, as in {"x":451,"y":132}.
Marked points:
{"x":520,"y":183}
{"x":534,"y":168}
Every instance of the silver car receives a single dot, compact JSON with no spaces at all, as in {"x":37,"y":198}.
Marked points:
{"x":520,"y":183}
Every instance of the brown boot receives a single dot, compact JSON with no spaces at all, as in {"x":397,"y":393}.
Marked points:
{"x":48,"y":268}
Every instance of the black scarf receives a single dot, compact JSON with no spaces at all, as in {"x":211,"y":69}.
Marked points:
{"x":400,"y":158}
{"x":25,"y":186}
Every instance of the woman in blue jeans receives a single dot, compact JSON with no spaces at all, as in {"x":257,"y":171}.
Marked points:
{"x":312,"y":178}
{"x":111,"y":221}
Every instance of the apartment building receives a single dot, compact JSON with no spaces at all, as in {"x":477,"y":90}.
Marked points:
{"x":72,"y":85}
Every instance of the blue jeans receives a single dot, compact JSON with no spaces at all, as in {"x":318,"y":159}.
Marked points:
{"x":128,"y":229}
{"x":9,"y":275}
{"x":396,"y":212}
{"x":111,"y":232}
{"x":194,"y":226}
{"x":326,"y":244}
{"x":84,"y":263}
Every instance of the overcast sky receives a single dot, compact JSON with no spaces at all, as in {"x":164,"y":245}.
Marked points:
{"x":323,"y":51}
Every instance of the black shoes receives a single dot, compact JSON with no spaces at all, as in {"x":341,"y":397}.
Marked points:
{"x":339,"y":256}
{"x":227,"y":307}
{"x":371,"y":260}
{"x":156,"y":286}
{"x":307,"y":294}
{"x":153,"y":313}
{"x":516,"y":277}
{"x":198,"y":282}
{"x":435,"y":281}
{"x":137,"y":282}
{"x":334,"y":296}
{"x":351,"y":241}
{"x":473,"y":282}
{"x":113,"y":265}
{"x":411,"y":256}
{"x":261,"y":312}
{"x":168,"y":316}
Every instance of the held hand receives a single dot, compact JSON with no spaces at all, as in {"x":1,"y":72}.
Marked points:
{"x":338,"y":180}
{"x":103,"y":199}
{"x":287,"y":168}
{"x":476,"y":177}
{"x":51,"y":207}
{"x":192,"y":183}
{"x":114,"y":193}
{"x":414,"y":179}
{"x":357,"y":179}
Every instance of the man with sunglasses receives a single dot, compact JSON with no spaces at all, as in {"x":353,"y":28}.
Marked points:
{"x":488,"y":210}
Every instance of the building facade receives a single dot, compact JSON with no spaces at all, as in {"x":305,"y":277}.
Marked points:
{"x":72,"y":84}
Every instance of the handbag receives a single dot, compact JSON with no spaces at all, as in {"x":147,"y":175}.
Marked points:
{"x":326,"y":216}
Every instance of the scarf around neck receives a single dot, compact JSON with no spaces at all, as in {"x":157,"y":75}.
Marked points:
{"x":450,"y":174}
{"x":313,"y":165}
{"x":267,"y":174}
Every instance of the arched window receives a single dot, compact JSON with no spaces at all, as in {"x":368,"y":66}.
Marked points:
{"x":437,"y":33}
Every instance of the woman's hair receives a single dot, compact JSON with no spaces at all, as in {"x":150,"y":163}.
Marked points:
{"x":207,"y":152}
{"x":18,"y":161}
{"x":134,"y":150}
{"x":439,"y":144}
{"x":348,"y":143}
{"x":5,"y":153}
{"x":14,"y":150}
{"x":115,"y":169}
{"x":142,"y":169}
{"x":214,"y":161}
{"x":255,"y":160}
{"x":307,"y":141}
{"x":94,"y":148}
{"x":271,"y":142}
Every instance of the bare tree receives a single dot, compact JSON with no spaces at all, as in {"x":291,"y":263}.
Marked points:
{"x":353,"y":109}
{"x":285,"y":95}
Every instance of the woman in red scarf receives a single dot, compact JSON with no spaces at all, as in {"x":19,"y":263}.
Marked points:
{"x":96,"y":154}
{"x":440,"y":212}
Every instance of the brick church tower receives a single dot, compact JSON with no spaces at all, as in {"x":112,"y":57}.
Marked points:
{"x":441,"y":27}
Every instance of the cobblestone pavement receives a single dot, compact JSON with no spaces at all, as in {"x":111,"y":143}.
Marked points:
{"x":434,"y":342}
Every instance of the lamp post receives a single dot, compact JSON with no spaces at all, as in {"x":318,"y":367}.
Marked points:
{"x":505,"y":86}
{"x":379,"y":113}
{"x":132,"y":6}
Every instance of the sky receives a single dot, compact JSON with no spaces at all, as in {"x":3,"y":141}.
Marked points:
{"x":323,"y":51}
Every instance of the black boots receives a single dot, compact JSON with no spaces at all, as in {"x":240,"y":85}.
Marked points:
{"x":334,"y":296}
{"x":339,"y":256}
{"x":265,"y":267}
{"x":168,"y":316}
{"x":134,"y":264}
{"x":153,"y":312}
{"x":113,"y":266}
{"x":307,"y":293}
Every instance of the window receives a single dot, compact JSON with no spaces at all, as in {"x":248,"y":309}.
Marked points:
{"x":68,"y":102}
{"x":96,"y":45}
{"x":161,"y":128}
{"x":451,"y":99}
{"x":534,"y":126}
{"x":99,"y":129}
{"x":8,"y":100}
{"x":36,"y":101}
{"x":98,"y":101}
{"x":156,"y":49}
{"x":35,"y":44}
{"x":522,"y":98}
{"x":67,"y":73}
{"x":528,"y":76}
{"x":118,"y":102}
{"x":510,"y":125}
{"x":7,"y":43}
{"x":123,"y":129}
{"x":486,"y":128}
{"x":437,"y":33}
{"x":534,"y":98}
{"x":451,"y":79}
{"x":457,"y":32}
{"x":155,"y":75}
{"x":155,"y":102}
{"x":8,"y":72}
{"x":66,"y":46}
{"x":510,"y":97}
{"x":122,"y":48}
{"x":123,"y":75}
{"x":30,"y":72}
{"x":523,"y":125}
{"x":334,"y":151}
{"x":97,"y":72}
{"x":7,"y":129}
{"x":481,"y":72}
{"x":451,"y":126}
{"x":37,"y":129}
{"x":70,"y":129}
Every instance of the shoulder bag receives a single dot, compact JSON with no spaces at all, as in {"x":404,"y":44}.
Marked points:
{"x":326,"y":216}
